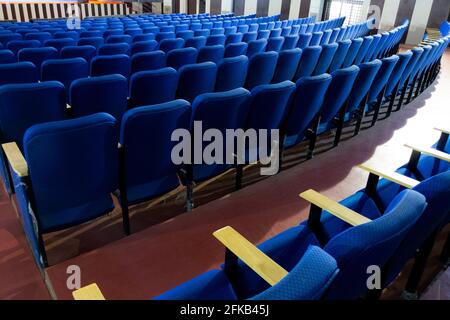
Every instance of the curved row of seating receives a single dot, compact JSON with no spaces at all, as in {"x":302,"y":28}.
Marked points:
{"x":394,"y":219}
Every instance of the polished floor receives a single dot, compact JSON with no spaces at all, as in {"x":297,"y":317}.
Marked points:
{"x":168,"y":247}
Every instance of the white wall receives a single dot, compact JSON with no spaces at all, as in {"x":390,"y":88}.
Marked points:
{"x":294,"y":9}
{"x":389,"y":14}
{"x":275,"y":7}
{"x":419,"y":21}
{"x":250,"y":7}
{"x":227,"y":6}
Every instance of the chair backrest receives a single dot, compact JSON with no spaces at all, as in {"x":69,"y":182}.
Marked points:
{"x":181,"y":57}
{"x":16,"y":45}
{"x":231,"y":73}
{"x":308,"y":61}
{"x":340,"y":89}
{"x":372,"y":243}
{"x":66,"y":34}
{"x":290,"y":42}
{"x":23,"y":105}
{"x":196,"y":79}
{"x":124,"y":38}
{"x":19,"y":72}
{"x":264,"y":34}
{"x":93,"y":33}
{"x":315,"y":39}
{"x":143,"y":37}
{"x":326,"y":57}
{"x":211,"y":53}
{"x":185,"y":34}
{"x":396,"y":74}
{"x":275,"y":44}
{"x":7,"y":37}
{"x":93,"y":41}
{"x":153,"y":87}
{"x":147,"y":131}
{"x":363,"y":82}
{"x":64,"y":70}
{"x":352,"y":52}
{"x":255,"y":47}
{"x":339,"y":56}
{"x":99,"y":94}
{"x":382,"y":77}
{"x":143,"y":46}
{"x":250,"y":36}
{"x":334,"y":35}
{"x":287,"y":65}
{"x":148,"y":61}
{"x":367,"y":42}
{"x":7,"y":56}
{"x":306,"y":103}
{"x":261,"y":69}
{"x":195,"y":42}
{"x":325,"y":37}
{"x":74,"y":184}
{"x":372,"y":47}
{"x":234,"y":38}
{"x":58,"y":44}
{"x":275,"y":33}
{"x":217,"y":39}
{"x":168,"y":45}
{"x":417,"y":53}
{"x":118,"y":63}
{"x":220,"y":111}
{"x":40,"y":36}
{"x":236,"y":49}
{"x":304,"y":40}
{"x":86,"y":52}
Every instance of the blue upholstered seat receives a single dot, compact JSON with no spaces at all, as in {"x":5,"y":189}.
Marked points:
{"x":196,"y":79}
{"x":308,"y":61}
{"x":64,"y":70}
{"x":261,"y":69}
{"x":103,"y":65}
{"x":148,"y":61}
{"x":231,"y":73}
{"x":213,"y":53}
{"x":19,"y":72}
{"x":114,"y":48}
{"x":168,"y":45}
{"x":178,"y":58}
{"x":236,"y":49}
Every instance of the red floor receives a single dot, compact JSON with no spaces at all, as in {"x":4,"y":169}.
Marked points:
{"x":159,"y":257}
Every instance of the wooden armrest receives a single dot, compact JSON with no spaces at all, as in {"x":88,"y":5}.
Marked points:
{"x":431,"y":152}
{"x":257,"y":260}
{"x":442,"y":129}
{"x":90,"y":292}
{"x":15,"y":159}
{"x":393,"y":176}
{"x":351,"y":217}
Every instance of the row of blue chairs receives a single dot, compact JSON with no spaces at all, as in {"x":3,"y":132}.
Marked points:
{"x":393,"y":219}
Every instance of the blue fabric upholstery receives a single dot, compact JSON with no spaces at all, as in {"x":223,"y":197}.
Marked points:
{"x":64,"y":70}
{"x":326,"y":57}
{"x":217,"y":39}
{"x":290,"y":42}
{"x":16,"y":45}
{"x":308,"y":99}
{"x":148,"y":61}
{"x":114,"y":48}
{"x":99,"y":94}
{"x":382,"y":77}
{"x":234,"y":38}
{"x":261,"y":69}
{"x":339,"y":56}
{"x":315,"y":39}
{"x":153,"y":87}
{"x":86,"y":52}
{"x":168,"y":45}
{"x":236,"y":49}
{"x":19,"y":72}
{"x":308,"y":61}
{"x":304,"y":40}
{"x":5,"y":38}
{"x":124,"y":38}
{"x":92,"y":41}
{"x":275,"y":44}
{"x":37,"y":55}
{"x":103,"y":65}
{"x":367,"y":42}
{"x":147,"y":131}
{"x":287,"y":65}
{"x":7,"y":56}
{"x":195,"y":42}
{"x":143,"y":46}
{"x":58,"y":44}
{"x":255,"y":47}
{"x":181,"y":57}
{"x":83,"y":169}
{"x":196,"y":79}
{"x":220,"y":111}
{"x":231,"y":73}
{"x":40,"y":36}
{"x":397,"y":72}
{"x":211,"y":53}
{"x":352,"y":52}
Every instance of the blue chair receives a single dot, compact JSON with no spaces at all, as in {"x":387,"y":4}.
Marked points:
{"x":143,"y":46}
{"x":133,"y":31}
{"x":235,"y":49}
{"x":308,"y":61}
{"x":325,"y":37}
{"x":315,"y":39}
{"x":89,"y":34}
{"x":275,"y":44}
{"x":99,"y":94}
{"x":186,"y":34}
{"x":7,"y":37}
{"x":218,"y":39}
{"x":92,"y":41}
{"x":352,"y":52}
{"x":202,"y":33}
{"x":124,"y":38}
{"x":249,"y":36}
{"x":18,"y":72}
{"x":64,"y":70}
{"x":148,"y":61}
{"x":66,"y":34}
{"x":304,"y":40}
{"x":336,"y":101}
{"x":315,"y":265}
{"x":196,"y":79}
{"x":181,"y":57}
{"x":195,"y":42}
{"x":274,"y":33}
{"x":265,"y":34}
{"x":304,"y":111}
{"x":113,"y":48}
{"x":64,"y":190}
{"x":290,"y":42}
{"x":164,"y":35}
{"x":153,"y":87}
{"x":339,"y":56}
{"x":168,"y":45}
{"x":40,"y":36}
{"x":112,"y":32}
{"x":255,"y":47}
{"x":334,"y":35}
{"x":86,"y":52}
{"x":7,"y":56}
{"x":211,"y":53}
{"x":287,"y":65}
{"x":144,"y":37}
{"x":261,"y":69}
{"x":366,"y":44}
{"x":326,"y":57}
{"x":103,"y":65}
{"x":234,"y":38}
{"x":147,"y":131}
{"x":374,"y":44}
{"x":58,"y":44}
{"x":16,"y":45}
{"x":231,"y":73}
{"x":243,"y":29}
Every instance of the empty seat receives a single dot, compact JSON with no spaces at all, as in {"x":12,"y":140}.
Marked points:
{"x":133,"y":31}
{"x":185,"y":35}
{"x":261,"y":69}
{"x":40,"y":36}
{"x":167,"y":45}
{"x":112,"y":32}
{"x":236,"y":49}
{"x":256,"y":46}
{"x":264,"y":34}
{"x":180,"y":57}
{"x":165,"y":35}
{"x":316,"y":38}
{"x":202,"y":33}
{"x":211,"y":53}
{"x":143,"y":37}
{"x":89,"y":34}
{"x":290,"y":42}
{"x":143,"y":46}
{"x":231,"y":73}
{"x":148,"y":61}
{"x":124,"y":38}
{"x":7,"y":56}
{"x":275,"y":33}
{"x":64,"y":70}
{"x":19,"y":72}
{"x":352,"y":52}
{"x":287,"y":65}
{"x":7,"y":37}
{"x":340,"y":55}
{"x":16,"y":45}
{"x":275,"y":44}
{"x":94,"y":41}
{"x":195,"y":42}
{"x":58,"y":44}
{"x":308,"y":61}
{"x":114,"y":48}
{"x":86,"y":52}
{"x":367,"y":41}
{"x":326,"y":57}
{"x":196,"y":79}
{"x":99,"y":94}
{"x":218,"y":39}
{"x":250,"y":36}
{"x":66,"y":34}
{"x":304,"y":40}
{"x":153,"y":87}
{"x":325,"y":37}
{"x":234,"y":38}
{"x":118,"y":63}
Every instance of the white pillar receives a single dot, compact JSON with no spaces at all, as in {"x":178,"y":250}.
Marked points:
{"x":294,"y":10}
{"x":250,"y":7}
{"x":275,"y":7}
{"x":419,"y":21}
{"x":389,"y":14}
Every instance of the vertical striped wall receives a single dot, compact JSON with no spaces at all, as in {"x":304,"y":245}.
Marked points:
{"x":24,"y":12}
